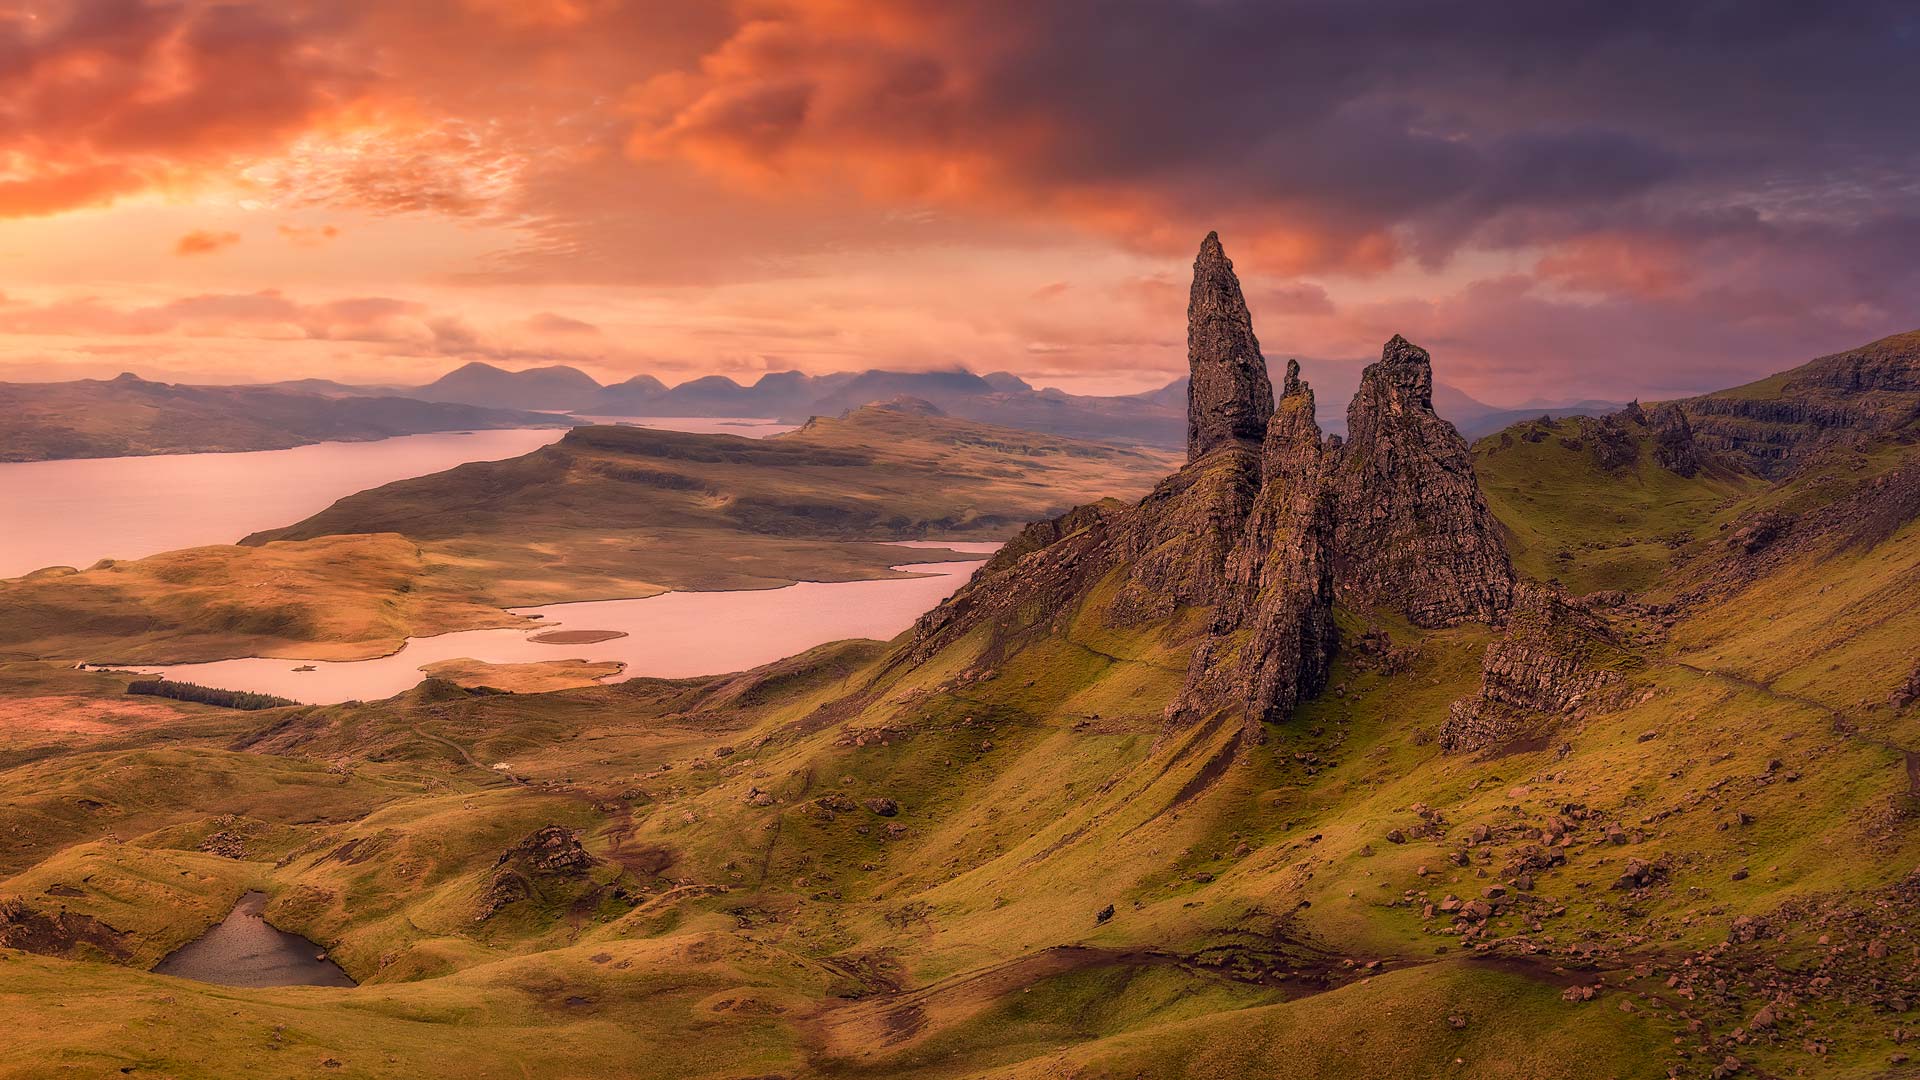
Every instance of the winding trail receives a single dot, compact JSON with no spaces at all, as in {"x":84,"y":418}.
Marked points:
{"x":468,"y":757}
{"x":1843,"y":723}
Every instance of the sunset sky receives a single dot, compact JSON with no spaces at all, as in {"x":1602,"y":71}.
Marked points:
{"x":1559,"y":200}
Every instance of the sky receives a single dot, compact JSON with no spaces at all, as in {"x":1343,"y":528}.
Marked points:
{"x":1559,"y":200}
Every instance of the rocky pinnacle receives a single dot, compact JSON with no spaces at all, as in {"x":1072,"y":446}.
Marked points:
{"x":1412,"y":530}
{"x":1231,"y":396}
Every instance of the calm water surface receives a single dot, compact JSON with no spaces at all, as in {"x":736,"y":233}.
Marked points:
{"x":246,"y":951}
{"x":673,"y":635}
{"x":75,"y":513}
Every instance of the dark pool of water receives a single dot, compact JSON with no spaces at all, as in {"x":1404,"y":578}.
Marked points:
{"x":245,"y":951}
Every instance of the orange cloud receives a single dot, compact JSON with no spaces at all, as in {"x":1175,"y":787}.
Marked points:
{"x":103,"y":98}
{"x":204,"y":242}
{"x":308,"y":236}
{"x":907,"y":100}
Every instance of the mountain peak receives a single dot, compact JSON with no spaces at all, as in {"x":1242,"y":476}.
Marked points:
{"x":1229,"y":396}
{"x":1405,"y":370}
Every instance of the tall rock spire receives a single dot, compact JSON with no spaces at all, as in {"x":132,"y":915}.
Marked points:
{"x":1284,"y":567}
{"x":1413,"y":531}
{"x":1230,"y":397}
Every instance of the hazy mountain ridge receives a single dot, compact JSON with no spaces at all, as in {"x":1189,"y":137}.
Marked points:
{"x":1154,"y":417}
{"x":196,"y":419}
{"x":131,"y":416}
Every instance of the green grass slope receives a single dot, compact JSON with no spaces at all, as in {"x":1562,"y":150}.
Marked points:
{"x":1001,"y":861}
{"x":1569,"y":520}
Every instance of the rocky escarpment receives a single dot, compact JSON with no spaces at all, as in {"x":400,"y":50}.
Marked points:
{"x":1545,"y":665}
{"x":1615,"y":442}
{"x":1261,"y":538}
{"x":1229,"y":396}
{"x":1612,"y":441}
{"x":1412,"y":531}
{"x":1772,"y":426}
{"x":1673,"y":445}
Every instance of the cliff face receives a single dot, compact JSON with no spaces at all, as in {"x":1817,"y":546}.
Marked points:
{"x":1265,"y":525}
{"x":1286,"y":564}
{"x":1773,"y":426}
{"x":1412,"y":531}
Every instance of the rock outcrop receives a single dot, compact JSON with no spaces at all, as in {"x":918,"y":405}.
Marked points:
{"x":1229,"y":395}
{"x":1545,"y":665}
{"x":552,"y":855}
{"x":1412,"y":531}
{"x":1284,"y":566}
{"x":62,"y":933}
{"x":1259,"y":536}
{"x":1608,"y":441}
{"x":1773,"y":426}
{"x":1673,"y":446}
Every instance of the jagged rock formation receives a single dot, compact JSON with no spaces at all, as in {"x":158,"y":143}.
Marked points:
{"x":1280,"y":576}
{"x":1673,"y":446}
{"x":1774,"y":425}
{"x":1229,"y":397}
{"x":1543,"y":666}
{"x":1261,"y":540}
{"x":1412,"y":531}
{"x":1285,"y":563}
{"x":1611,"y":440}
{"x":1608,"y":441}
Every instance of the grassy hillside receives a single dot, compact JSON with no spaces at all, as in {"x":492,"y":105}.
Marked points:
{"x":1569,"y":520}
{"x":131,"y":416}
{"x":751,"y":908}
{"x":997,"y":859}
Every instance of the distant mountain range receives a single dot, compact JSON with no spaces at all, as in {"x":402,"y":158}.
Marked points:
{"x":1155,"y":417}
{"x":128,"y":416}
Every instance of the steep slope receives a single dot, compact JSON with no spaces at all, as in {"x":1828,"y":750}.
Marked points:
{"x":132,"y":416}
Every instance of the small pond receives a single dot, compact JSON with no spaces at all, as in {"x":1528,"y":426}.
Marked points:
{"x":244,"y":950}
